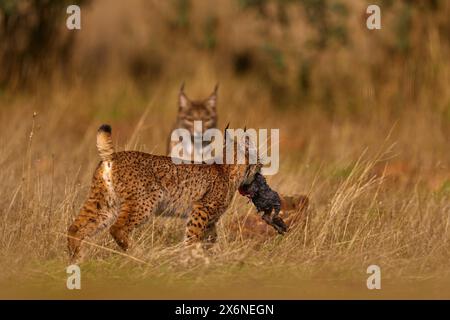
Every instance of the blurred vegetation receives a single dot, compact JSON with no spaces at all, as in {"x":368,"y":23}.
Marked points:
{"x":32,"y":39}
{"x":303,"y":53}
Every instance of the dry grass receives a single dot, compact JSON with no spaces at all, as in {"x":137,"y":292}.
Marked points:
{"x":378,"y":181}
{"x":369,"y":205}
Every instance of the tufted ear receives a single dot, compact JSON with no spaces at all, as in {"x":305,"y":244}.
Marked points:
{"x":225,"y":131}
{"x":183,"y":101}
{"x":211,"y":102}
{"x":226,"y":136}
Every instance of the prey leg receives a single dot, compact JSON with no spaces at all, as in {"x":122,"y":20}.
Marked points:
{"x":276,"y":222}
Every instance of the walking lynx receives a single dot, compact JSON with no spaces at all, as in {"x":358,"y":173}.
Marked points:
{"x":129,"y":186}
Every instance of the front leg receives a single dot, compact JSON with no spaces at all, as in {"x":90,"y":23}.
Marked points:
{"x":201,"y":225}
{"x":210,"y":234}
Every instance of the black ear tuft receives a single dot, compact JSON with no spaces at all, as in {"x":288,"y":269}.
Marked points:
{"x":105,"y":128}
{"x":225,"y":134}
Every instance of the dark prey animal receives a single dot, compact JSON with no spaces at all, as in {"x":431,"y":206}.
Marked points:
{"x":265,"y":200}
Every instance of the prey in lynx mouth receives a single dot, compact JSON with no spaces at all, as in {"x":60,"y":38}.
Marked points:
{"x":265,"y":200}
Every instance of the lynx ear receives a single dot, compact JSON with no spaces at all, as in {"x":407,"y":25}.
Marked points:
{"x":226,"y":136}
{"x":211,"y":102}
{"x":183,"y":101}
{"x":226,"y":128}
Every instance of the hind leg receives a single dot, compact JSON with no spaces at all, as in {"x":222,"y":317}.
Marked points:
{"x":94,"y":216}
{"x":118,"y":230}
{"x":132,"y":214}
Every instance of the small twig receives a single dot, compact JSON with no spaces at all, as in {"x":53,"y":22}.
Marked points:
{"x":102,"y":247}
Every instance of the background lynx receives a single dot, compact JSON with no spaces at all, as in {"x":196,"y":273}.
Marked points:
{"x":194,"y":110}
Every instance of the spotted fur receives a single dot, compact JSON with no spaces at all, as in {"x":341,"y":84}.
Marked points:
{"x":129,"y":186}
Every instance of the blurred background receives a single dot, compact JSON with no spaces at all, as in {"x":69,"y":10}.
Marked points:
{"x":296,"y":54}
{"x":284,"y":55}
{"x":311,"y":68}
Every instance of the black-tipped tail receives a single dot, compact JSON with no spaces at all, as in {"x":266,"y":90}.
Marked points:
{"x":105,"y":128}
{"x":104,"y":142}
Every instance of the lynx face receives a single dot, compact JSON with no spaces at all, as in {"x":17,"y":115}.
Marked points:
{"x":195,"y":110}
